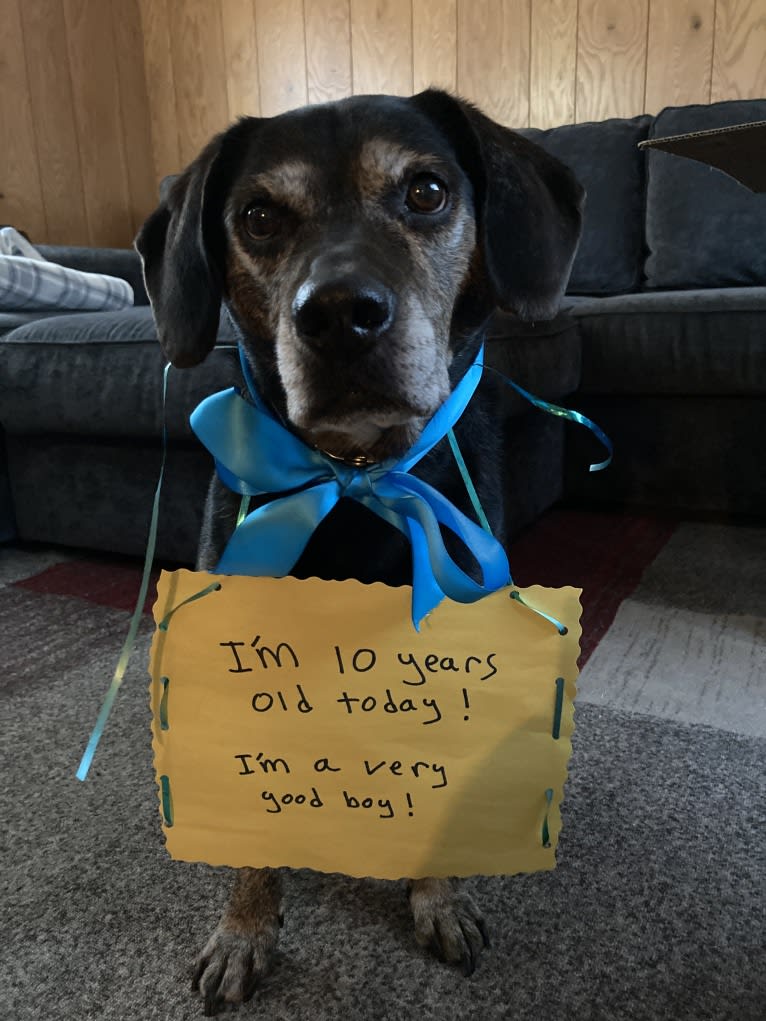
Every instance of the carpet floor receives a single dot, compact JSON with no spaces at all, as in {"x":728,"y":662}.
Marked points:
{"x":655,"y":911}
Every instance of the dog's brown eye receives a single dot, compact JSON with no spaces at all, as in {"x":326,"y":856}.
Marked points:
{"x":426,"y":194}
{"x":262,"y":222}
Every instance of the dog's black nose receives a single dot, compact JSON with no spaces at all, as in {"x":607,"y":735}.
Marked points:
{"x":342,"y":310}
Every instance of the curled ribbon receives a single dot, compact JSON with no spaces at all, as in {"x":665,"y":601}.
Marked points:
{"x":567,"y":413}
{"x":242,"y":436}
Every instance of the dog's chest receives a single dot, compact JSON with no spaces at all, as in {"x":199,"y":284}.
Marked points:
{"x":353,"y":542}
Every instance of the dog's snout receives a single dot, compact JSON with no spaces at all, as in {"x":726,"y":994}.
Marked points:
{"x":349,"y":310}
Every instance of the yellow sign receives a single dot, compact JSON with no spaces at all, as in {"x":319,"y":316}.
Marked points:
{"x":307,"y":724}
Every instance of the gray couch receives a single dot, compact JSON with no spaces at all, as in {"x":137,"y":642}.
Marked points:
{"x":662,"y":340}
{"x":669,"y":298}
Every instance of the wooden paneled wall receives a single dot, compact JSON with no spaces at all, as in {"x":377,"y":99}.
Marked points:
{"x":76,"y":161}
{"x":101,"y":98}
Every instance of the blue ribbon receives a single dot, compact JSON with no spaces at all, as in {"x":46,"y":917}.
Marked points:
{"x":567,"y":413}
{"x":243,"y":437}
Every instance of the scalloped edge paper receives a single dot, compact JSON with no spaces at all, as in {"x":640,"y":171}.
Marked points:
{"x":305,"y":723}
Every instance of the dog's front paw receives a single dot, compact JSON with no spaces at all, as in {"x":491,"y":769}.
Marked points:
{"x":448,"y":922}
{"x":232,"y":964}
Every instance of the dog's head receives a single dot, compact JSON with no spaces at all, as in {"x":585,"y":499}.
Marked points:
{"x":360,"y":246}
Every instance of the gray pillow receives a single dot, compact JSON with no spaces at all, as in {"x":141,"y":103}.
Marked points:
{"x":605,"y":157}
{"x":703,"y":229}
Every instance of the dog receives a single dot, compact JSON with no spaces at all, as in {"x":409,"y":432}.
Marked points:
{"x":360,"y":248}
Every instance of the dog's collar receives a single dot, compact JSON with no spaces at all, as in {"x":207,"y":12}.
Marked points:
{"x":360,"y":461}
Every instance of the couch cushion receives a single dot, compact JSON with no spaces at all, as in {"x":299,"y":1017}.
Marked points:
{"x":128,"y":324}
{"x":703,"y":229}
{"x":11,"y":320}
{"x":606,"y":159}
{"x":100,"y":374}
{"x":675,"y":342}
{"x":102,"y":493}
{"x":543,"y":357}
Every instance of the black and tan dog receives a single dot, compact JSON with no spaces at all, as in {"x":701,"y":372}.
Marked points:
{"x":360,"y":248}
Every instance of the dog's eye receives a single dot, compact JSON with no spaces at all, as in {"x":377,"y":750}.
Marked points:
{"x":261,"y":221}
{"x":426,"y":194}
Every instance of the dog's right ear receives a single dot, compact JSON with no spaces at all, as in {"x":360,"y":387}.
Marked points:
{"x":529,"y":206}
{"x":182,"y":246}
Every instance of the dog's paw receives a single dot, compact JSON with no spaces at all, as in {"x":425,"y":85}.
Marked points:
{"x":232,"y":964}
{"x":448,"y":922}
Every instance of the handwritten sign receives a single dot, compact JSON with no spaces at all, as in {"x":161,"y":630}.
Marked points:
{"x":307,"y":724}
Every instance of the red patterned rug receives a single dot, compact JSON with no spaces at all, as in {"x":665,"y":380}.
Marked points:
{"x":604,"y":554}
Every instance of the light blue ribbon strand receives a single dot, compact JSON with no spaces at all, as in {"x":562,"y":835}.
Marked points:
{"x":572,"y":416}
{"x":468,"y":481}
{"x":243,"y":436}
{"x":561,"y":628}
{"x":130,"y":641}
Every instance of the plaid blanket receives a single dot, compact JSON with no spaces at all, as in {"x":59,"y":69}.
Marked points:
{"x":30,"y":283}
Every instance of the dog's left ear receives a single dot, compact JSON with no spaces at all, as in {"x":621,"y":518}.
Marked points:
{"x":528,"y":206}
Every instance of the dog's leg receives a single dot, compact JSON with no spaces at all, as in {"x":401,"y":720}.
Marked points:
{"x":239,"y":952}
{"x":448,"y":922}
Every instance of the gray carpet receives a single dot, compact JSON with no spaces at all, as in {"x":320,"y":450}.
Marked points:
{"x":656,"y":910}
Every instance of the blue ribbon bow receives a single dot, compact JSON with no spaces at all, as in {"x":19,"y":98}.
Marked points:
{"x":256,"y":455}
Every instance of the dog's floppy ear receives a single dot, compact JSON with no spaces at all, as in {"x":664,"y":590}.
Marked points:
{"x":528,"y":206}
{"x":182,"y":246}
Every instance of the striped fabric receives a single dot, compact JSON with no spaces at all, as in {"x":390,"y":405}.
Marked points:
{"x":28,"y":282}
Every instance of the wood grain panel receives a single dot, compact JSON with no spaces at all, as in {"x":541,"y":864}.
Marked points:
{"x":240,"y":46}
{"x":199,"y":72}
{"x":100,"y":99}
{"x":134,"y":111}
{"x":434,"y":44}
{"x":92,"y":62}
{"x":381,"y":46}
{"x":50,"y":93}
{"x":611,"y":58}
{"x":493,"y":57}
{"x":680,"y":53}
{"x":281,"y":55}
{"x":739,"y":59}
{"x":553,"y":63}
{"x":328,"y":49}
{"x":21,"y":201}
{"x":161,"y":87}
